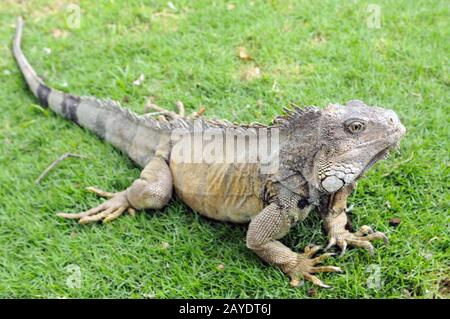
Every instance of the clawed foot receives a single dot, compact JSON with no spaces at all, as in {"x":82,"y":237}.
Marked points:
{"x":115,"y":206}
{"x":361,"y":238}
{"x":306,"y":267}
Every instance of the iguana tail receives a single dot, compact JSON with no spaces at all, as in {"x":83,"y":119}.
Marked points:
{"x":135,"y":135}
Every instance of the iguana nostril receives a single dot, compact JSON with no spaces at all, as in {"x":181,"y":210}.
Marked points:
{"x":391,"y":120}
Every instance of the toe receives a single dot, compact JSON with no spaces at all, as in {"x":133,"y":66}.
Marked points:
{"x":331,"y":243}
{"x":315,"y":281}
{"x":364,"y":230}
{"x":312,"y":250}
{"x":325,"y":269}
{"x":96,"y":217}
{"x":82,"y":214}
{"x":294,"y":281}
{"x":114,"y":215}
{"x":342,"y":243}
{"x":71,"y":215}
{"x":363,"y":244}
{"x":376,"y":236}
{"x":100,"y":192}
{"x":321,"y":258}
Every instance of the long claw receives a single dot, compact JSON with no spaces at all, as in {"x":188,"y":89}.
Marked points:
{"x":326,"y":269}
{"x":89,"y":212}
{"x":375,"y":236}
{"x":321,"y":258}
{"x":114,"y":215}
{"x":100,"y":192}
{"x":363,"y":244}
{"x":71,"y":216}
{"x":315,"y":281}
{"x":96,"y":217}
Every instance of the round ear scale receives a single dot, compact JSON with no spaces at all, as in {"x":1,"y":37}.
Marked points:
{"x":355,"y":103}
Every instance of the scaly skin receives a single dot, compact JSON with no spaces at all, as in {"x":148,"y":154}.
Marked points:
{"x":321,"y":154}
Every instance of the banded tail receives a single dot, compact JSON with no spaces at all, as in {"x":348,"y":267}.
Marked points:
{"x":135,"y":135}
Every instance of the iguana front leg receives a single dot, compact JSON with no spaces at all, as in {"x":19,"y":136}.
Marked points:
{"x":152,"y":190}
{"x":274,"y":223}
{"x":335,"y":219}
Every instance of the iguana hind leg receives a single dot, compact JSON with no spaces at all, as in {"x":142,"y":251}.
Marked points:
{"x":152,"y":190}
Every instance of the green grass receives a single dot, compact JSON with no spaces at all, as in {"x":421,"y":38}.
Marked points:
{"x":308,"y":52}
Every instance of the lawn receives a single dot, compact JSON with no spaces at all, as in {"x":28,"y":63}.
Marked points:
{"x":306,"y":52}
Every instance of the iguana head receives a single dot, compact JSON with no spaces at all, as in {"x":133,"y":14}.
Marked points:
{"x":354,"y":137}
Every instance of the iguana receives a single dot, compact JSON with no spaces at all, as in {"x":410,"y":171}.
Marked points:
{"x":319,"y":155}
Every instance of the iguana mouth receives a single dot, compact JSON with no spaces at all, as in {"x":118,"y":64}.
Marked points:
{"x":383,"y":154}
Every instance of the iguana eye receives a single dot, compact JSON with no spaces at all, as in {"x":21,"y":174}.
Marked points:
{"x":356,"y":126}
